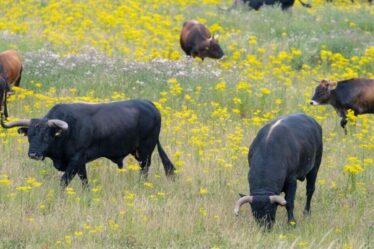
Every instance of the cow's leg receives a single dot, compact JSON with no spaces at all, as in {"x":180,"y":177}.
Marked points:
{"x":145,"y":164}
{"x":77,"y":165}
{"x":311,"y":182}
{"x":144,"y":152}
{"x":118,"y":161}
{"x":82,"y":173}
{"x":5,"y":104}
{"x":67,"y":177}
{"x":290,"y":190}
{"x":343,"y":114}
{"x":310,"y":187}
{"x":19,"y":78}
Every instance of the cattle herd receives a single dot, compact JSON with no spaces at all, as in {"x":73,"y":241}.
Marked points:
{"x":284,"y":151}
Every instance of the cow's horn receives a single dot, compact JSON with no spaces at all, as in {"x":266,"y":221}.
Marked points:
{"x":23,"y":123}
{"x":240,"y":202}
{"x":58,"y":123}
{"x":278,"y":199}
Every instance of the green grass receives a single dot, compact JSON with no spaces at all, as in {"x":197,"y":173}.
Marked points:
{"x":175,"y":214}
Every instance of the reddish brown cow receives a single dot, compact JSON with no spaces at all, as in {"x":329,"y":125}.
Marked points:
{"x":354,"y":94}
{"x":10,"y":74}
{"x":196,"y":41}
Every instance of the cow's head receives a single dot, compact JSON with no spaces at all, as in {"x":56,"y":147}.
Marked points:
{"x":210,"y":48}
{"x":322,"y":93}
{"x":263,"y":207}
{"x":41,"y":133}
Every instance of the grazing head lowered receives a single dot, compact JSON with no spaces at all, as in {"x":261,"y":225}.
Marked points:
{"x":196,"y":41}
{"x":284,"y":151}
{"x":10,"y":74}
{"x":75,"y":134}
{"x":355,"y":94}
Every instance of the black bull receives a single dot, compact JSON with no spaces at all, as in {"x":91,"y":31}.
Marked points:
{"x":284,"y":151}
{"x":75,"y":134}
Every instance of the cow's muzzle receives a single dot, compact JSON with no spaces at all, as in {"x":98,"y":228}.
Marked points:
{"x":35,"y":156}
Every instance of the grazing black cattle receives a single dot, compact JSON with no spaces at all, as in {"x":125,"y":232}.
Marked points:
{"x":196,"y":41}
{"x":284,"y":151}
{"x":257,"y":4}
{"x":355,"y":94}
{"x":74,"y":134}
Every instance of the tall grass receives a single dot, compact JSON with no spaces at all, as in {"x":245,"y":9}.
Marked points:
{"x":205,"y":133}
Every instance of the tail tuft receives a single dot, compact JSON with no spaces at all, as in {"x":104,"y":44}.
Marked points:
{"x":168,"y":165}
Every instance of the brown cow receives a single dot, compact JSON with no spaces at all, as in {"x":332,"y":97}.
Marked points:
{"x":196,"y":41}
{"x":354,"y":94}
{"x":10,"y":74}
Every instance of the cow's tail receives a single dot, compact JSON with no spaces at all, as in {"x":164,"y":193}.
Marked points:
{"x":168,"y":165}
{"x":306,"y":5}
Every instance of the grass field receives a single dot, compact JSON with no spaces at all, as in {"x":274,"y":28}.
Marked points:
{"x":99,"y":51}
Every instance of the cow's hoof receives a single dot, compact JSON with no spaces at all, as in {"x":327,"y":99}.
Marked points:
{"x":343,"y":122}
{"x":292,"y":223}
{"x":171,"y":176}
{"x":307,"y":213}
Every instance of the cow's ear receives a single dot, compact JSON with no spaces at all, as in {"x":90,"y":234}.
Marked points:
{"x":23,"y":131}
{"x":58,"y":133}
{"x":324,"y":83}
{"x":331,"y":86}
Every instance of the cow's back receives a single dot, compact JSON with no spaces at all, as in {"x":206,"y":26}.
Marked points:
{"x":110,"y":130}
{"x":359,"y":92}
{"x":11,"y":62}
{"x":286,"y":147}
{"x":192,"y":34}
{"x":105,"y":119}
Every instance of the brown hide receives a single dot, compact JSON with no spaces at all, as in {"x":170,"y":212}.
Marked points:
{"x":197,"y":41}
{"x":365,"y":99}
{"x":10,"y":74}
{"x":355,"y":94}
{"x":11,"y":62}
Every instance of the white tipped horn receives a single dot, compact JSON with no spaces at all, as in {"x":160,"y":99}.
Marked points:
{"x":278,"y":199}
{"x":23,"y":123}
{"x":58,"y":123}
{"x":240,"y":202}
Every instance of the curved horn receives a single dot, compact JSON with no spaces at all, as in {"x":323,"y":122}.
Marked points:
{"x":58,"y":123}
{"x":23,"y":123}
{"x":278,"y":199}
{"x":240,"y":202}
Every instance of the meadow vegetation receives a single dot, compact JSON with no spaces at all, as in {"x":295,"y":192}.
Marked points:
{"x":98,"y":51}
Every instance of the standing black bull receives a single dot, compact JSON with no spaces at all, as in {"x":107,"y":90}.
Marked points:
{"x":257,"y":4}
{"x":354,"y":94}
{"x":74,"y":134}
{"x":284,"y":151}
